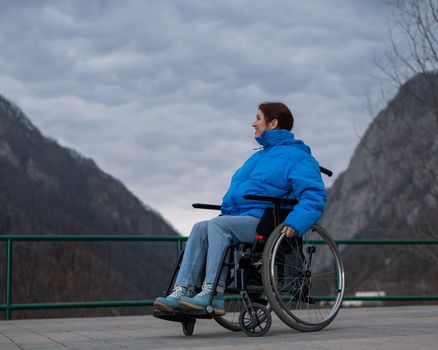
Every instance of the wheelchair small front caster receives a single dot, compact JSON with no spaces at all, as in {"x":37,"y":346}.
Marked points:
{"x":255,"y":322}
{"x":188,"y":326}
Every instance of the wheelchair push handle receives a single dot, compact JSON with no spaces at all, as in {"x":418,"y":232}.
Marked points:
{"x":206,"y":206}
{"x":325,"y":171}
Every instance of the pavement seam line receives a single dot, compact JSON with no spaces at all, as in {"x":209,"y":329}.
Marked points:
{"x":13,"y":341}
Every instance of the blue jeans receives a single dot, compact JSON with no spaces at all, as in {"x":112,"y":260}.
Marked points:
{"x":207,"y":243}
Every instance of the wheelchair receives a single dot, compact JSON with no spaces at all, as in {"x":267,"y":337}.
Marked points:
{"x":300,"y":279}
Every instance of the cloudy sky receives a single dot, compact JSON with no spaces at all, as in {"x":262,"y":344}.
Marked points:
{"x":162,"y":94}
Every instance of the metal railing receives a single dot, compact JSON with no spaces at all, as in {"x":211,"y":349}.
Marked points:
{"x":8,"y":307}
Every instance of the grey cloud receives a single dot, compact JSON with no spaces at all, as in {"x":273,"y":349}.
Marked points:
{"x":162,"y":94}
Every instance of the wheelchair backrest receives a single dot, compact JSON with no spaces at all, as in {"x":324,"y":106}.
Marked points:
{"x":267,"y":221}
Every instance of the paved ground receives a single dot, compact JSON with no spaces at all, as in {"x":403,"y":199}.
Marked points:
{"x":360,"y":328}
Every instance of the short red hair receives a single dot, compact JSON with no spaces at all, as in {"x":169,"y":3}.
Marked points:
{"x":279,"y":111}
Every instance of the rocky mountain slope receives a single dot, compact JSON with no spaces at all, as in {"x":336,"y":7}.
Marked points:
{"x":49,"y":189}
{"x":390,"y":190}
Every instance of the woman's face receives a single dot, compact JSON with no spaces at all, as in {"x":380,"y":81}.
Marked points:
{"x":260,"y":124}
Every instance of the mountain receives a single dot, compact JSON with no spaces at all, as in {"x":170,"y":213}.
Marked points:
{"x":46,"y":188}
{"x":390,"y":190}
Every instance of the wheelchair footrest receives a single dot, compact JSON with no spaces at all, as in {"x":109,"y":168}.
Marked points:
{"x":181,"y":316}
{"x":171,"y":316}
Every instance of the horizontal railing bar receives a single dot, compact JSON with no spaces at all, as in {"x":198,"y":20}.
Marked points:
{"x":377,"y":241}
{"x":76,"y":305}
{"x":393,"y":298}
{"x":386,"y":241}
{"x":371,"y":298}
{"x":179,"y":238}
{"x":91,"y":238}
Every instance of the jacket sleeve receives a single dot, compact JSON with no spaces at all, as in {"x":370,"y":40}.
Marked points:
{"x":308,"y":188}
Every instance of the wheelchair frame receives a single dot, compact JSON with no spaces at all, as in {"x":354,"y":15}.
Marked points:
{"x":288,"y":289}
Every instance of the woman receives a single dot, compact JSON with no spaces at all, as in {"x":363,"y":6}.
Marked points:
{"x":284,"y":167}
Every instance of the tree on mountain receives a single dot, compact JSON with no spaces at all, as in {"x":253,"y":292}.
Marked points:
{"x":413,"y":52}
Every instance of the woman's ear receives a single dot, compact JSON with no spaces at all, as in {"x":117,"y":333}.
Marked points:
{"x":273,"y":124}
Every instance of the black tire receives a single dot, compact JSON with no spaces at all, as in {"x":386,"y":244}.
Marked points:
{"x":303,"y":279}
{"x":255,"y":324}
{"x":233,"y":306}
{"x":188,"y":326}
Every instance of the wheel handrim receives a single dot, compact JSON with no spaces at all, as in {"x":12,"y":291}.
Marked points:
{"x":320,"y":287}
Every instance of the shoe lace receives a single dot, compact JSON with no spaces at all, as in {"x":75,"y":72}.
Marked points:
{"x":206,"y":289}
{"x":178,"y":292}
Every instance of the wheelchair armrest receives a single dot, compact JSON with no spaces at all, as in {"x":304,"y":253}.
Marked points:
{"x":206,"y":206}
{"x":274,"y":200}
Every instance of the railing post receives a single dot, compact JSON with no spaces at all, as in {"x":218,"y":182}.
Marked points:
{"x":8,"y":275}
{"x":179,"y":247}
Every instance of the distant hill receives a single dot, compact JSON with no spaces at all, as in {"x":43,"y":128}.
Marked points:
{"x":46,"y":188}
{"x":390,"y":190}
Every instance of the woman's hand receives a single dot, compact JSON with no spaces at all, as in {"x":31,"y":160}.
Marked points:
{"x":289,"y":231}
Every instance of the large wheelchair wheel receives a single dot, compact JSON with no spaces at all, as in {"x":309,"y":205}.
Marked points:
{"x":303,"y":278}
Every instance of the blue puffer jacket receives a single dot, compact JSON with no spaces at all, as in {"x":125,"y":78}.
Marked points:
{"x":283,"y":168}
